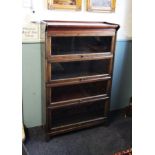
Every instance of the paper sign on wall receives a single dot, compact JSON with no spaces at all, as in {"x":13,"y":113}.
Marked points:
{"x":33,"y":32}
{"x":30,"y":33}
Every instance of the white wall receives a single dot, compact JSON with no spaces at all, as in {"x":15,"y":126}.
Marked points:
{"x":122,"y":15}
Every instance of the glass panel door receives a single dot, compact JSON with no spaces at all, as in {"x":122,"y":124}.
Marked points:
{"x":80,"y":45}
{"x":62,"y":93}
{"x":79,"y":68}
{"x":77,"y":113}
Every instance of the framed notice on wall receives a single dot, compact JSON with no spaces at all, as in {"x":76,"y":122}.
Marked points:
{"x":101,"y":5}
{"x":65,"y":4}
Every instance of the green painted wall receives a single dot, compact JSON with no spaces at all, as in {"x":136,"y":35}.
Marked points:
{"x":122,"y":75}
{"x":31,"y":87}
{"x":31,"y":74}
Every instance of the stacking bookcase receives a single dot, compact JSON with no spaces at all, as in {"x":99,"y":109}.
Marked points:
{"x":77,"y":74}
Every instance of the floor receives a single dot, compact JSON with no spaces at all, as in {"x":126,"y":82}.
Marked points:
{"x":94,"y":141}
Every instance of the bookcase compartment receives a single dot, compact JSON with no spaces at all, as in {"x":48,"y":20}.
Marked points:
{"x":80,"y":45}
{"x":64,"y":70}
{"x":74,"y":114}
{"x":63,"y":93}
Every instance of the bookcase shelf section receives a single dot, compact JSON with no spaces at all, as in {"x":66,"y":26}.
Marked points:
{"x":77,"y":113}
{"x":63,"y":93}
{"x":64,"y":70}
{"x":80,"y":45}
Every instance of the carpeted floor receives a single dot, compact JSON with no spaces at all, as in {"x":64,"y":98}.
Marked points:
{"x":94,"y":141}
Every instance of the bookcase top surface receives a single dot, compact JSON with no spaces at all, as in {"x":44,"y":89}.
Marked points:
{"x":84,"y":24}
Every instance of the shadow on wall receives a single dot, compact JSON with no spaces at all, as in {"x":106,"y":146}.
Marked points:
{"x":122,"y":76}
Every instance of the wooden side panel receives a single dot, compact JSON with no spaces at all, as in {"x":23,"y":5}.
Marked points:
{"x":111,"y":64}
{"x":48,"y":46}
